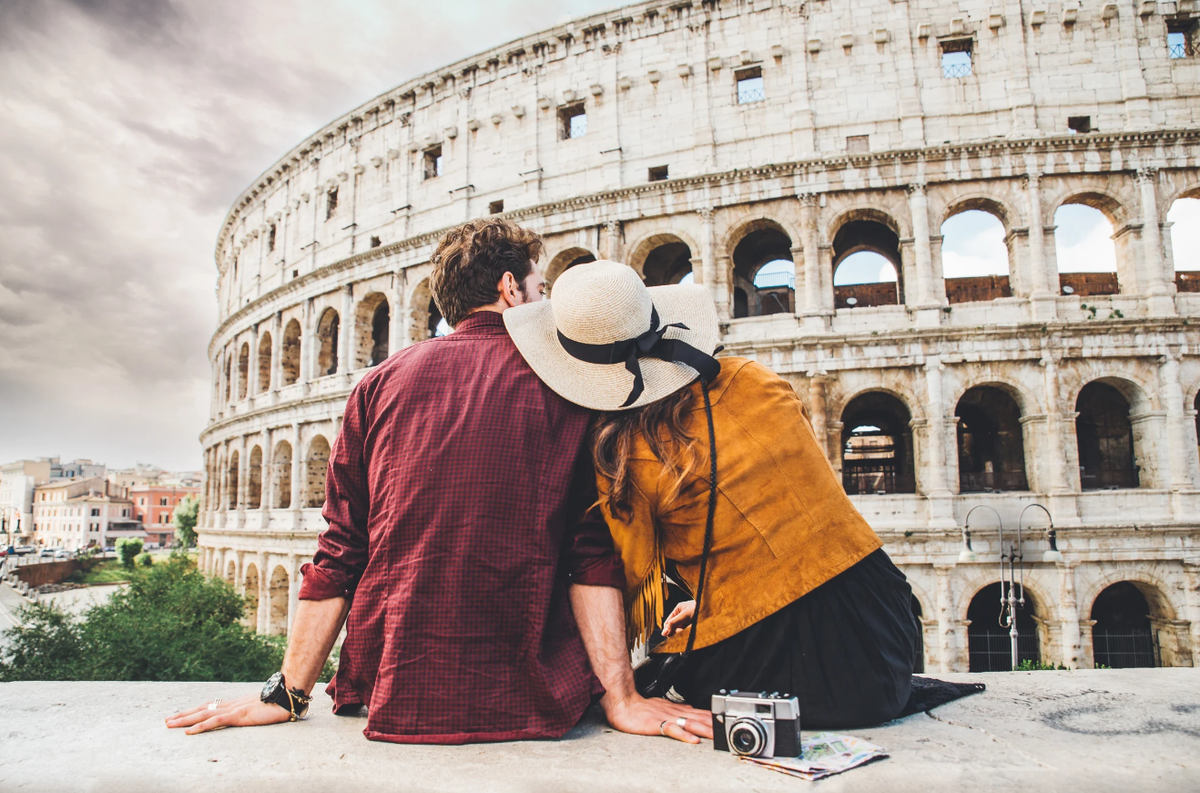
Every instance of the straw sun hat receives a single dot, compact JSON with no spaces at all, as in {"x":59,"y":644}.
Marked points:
{"x":607,"y":342}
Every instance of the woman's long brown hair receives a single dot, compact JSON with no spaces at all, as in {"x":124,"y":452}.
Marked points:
{"x":662,"y":424}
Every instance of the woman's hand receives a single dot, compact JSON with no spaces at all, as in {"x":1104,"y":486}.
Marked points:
{"x":249,"y":711}
{"x":679,"y":619}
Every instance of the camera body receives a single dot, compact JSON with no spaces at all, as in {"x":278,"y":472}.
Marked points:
{"x":756,"y":725}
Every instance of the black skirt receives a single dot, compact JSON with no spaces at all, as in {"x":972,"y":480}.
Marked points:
{"x":846,"y":650}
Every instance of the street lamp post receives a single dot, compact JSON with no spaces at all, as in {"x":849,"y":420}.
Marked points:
{"x":1012,"y":575}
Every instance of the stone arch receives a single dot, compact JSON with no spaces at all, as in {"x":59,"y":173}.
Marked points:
{"x":316,"y":463}
{"x":1182,"y":241}
{"x":565,"y":260}
{"x":1095,"y":282}
{"x":328,"y":329}
{"x":972,"y":285}
{"x":250,"y":593}
{"x":1107,"y":444}
{"x":866,"y":230}
{"x":1110,"y":206}
{"x":983,"y":202}
{"x":991,"y":443}
{"x":231,"y":572}
{"x":1027,"y":400}
{"x":264,"y":363}
{"x":877,"y":451}
{"x":277,"y":597}
{"x":372,"y":326}
{"x":1152,"y":587}
{"x":254,"y":479}
{"x":243,"y":371}
{"x":1135,"y":623}
{"x":233,"y":473}
{"x":757,"y":243}
{"x":662,"y":257}
{"x":281,"y":475}
{"x":289,"y":358}
{"x":988,"y":642}
{"x":424,"y":312}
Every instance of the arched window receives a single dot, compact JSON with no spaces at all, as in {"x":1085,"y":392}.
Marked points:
{"x":974,"y":257}
{"x":989,"y":643}
{"x":315,"y":466}
{"x":1105,"y":437}
{"x":763,"y":272}
{"x":1087,"y":257}
{"x":281,"y":475}
{"x":250,"y":593}
{"x":667,"y":263}
{"x":565,"y":260}
{"x":289,"y":359}
{"x":1184,"y":238}
{"x":991,"y":448}
{"x":264,"y":363}
{"x":232,"y":490}
{"x":1122,"y":637}
{"x":327,"y":343}
{"x":877,"y":451}
{"x":254,"y":479}
{"x":231,"y":572}
{"x":228,"y":378}
{"x":277,"y":593}
{"x":243,"y":370}
{"x":372,"y":324}
{"x":866,"y":263}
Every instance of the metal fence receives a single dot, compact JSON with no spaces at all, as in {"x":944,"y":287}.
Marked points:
{"x":991,"y":649}
{"x":1184,"y":50}
{"x":956,"y":70}
{"x":775,"y":280}
{"x":876,"y":479}
{"x":992,"y":480}
{"x":1108,"y":478}
{"x":1125,"y":649}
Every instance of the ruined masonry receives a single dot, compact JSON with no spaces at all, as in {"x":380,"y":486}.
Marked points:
{"x":754,"y":147}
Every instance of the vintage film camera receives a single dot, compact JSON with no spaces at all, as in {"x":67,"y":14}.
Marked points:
{"x":756,"y":725}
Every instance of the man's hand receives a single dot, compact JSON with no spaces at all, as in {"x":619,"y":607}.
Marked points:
{"x":680,"y":618}
{"x":249,"y":711}
{"x":639,"y":716}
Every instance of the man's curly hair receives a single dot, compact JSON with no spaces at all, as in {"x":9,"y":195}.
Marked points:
{"x":472,"y":258}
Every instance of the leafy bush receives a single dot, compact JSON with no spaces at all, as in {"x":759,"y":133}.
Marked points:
{"x":1039,"y":666}
{"x":128,"y":548}
{"x":171,"y":623}
{"x":144,"y":560}
{"x":186,"y":515}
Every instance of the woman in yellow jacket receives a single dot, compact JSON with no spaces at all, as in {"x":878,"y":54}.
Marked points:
{"x":797,"y":594}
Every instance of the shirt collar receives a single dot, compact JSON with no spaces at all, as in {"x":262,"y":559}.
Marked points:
{"x":480,"y":320}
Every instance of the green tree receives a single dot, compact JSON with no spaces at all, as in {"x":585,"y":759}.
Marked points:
{"x":186,"y":515}
{"x":128,"y":548}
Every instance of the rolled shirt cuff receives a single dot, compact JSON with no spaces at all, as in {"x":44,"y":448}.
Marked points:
{"x":322,"y":584}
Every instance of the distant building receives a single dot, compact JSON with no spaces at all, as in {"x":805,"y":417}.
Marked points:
{"x":142,"y":475}
{"x":154,"y":505}
{"x":17,"y":481}
{"x":82,"y":513}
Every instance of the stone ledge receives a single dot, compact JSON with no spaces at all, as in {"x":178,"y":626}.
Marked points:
{"x":1095,"y":730}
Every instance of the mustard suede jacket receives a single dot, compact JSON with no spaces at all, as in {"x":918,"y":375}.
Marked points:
{"x":783,"y":525}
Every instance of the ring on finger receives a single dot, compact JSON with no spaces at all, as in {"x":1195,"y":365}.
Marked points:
{"x":662,"y":728}
{"x":682,"y":721}
{"x":216,"y":703}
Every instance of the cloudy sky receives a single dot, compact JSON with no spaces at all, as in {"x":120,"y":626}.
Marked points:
{"x":129,"y":128}
{"x":131,"y":125}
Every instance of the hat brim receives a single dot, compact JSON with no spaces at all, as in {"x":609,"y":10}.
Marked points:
{"x":607,"y":386}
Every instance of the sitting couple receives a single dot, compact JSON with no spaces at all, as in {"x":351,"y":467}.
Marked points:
{"x":507,"y":503}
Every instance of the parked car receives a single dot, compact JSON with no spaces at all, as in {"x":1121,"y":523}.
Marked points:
{"x":62,"y":553}
{"x":48,"y":553}
{"x":24,"y":550}
{"x":6,"y":552}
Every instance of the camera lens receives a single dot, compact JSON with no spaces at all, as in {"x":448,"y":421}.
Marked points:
{"x":747,"y":737}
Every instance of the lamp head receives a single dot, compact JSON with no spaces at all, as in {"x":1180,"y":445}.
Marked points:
{"x":967,"y":555}
{"x":1052,"y":557}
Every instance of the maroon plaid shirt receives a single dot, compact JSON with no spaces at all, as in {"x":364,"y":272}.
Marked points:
{"x":458,"y":502}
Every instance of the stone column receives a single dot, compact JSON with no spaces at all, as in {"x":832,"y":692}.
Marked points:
{"x":707,"y":272}
{"x":947,"y":650}
{"x":612,"y":240}
{"x":918,"y":205}
{"x":264,"y":595}
{"x":397,"y":316}
{"x":1191,"y":599}
{"x":814,"y":309}
{"x":722,"y":286}
{"x":941,"y":512}
{"x":243,"y":481}
{"x":265,"y":478}
{"x":1161,"y":294}
{"x":308,"y":345}
{"x":1072,"y":650}
{"x":293,"y":590}
{"x":1061,"y":486}
{"x":1180,"y":441}
{"x":276,"y":352}
{"x":347,"y":331}
{"x":816,"y":408}
{"x":297,"y":472}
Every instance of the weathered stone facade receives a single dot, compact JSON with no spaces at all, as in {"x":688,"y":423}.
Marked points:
{"x":1078,"y":392}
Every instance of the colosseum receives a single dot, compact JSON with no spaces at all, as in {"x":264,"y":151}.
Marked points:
{"x":808,"y":162}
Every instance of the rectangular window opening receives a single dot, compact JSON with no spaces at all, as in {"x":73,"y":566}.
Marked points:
{"x":858,"y":144}
{"x":331,"y":203}
{"x":956,"y":58}
{"x":658,"y":173}
{"x":271,"y":239}
{"x":749,"y":85}
{"x":376,"y":242}
{"x":572,"y":121}
{"x":496,"y":207}
{"x":1181,"y":38}
{"x":433,"y":162}
{"x":1080,"y":124}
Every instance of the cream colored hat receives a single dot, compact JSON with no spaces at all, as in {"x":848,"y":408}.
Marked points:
{"x":607,"y":342}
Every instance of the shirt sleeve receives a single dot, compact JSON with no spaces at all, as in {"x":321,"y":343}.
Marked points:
{"x":588,"y":556}
{"x":341,"y":555}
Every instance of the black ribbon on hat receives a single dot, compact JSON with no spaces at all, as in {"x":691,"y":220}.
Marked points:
{"x":650,"y":344}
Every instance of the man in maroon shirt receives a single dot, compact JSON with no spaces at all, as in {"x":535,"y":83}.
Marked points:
{"x":474,"y":579}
